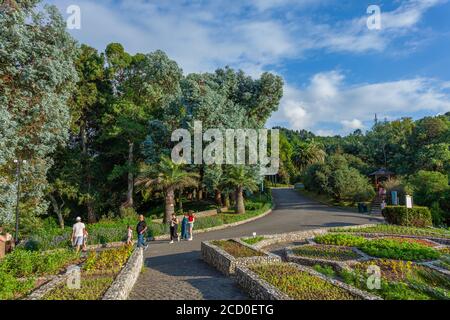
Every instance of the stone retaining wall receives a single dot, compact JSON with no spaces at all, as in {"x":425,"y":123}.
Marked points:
{"x":125,"y":280}
{"x":259,"y":289}
{"x":226,"y":263}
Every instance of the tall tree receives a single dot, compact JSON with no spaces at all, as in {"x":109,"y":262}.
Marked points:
{"x":168,"y":177}
{"x":37,"y":76}
{"x":241,"y":178}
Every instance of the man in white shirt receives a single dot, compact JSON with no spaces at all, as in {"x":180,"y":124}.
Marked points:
{"x":78,"y":234}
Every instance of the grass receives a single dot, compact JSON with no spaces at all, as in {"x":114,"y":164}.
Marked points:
{"x":236,"y":249}
{"x":398,"y":230}
{"x":326,"y":252}
{"x":298,"y":284}
{"x":254,"y":240}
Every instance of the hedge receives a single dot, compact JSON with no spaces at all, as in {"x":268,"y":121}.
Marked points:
{"x":416,"y":216}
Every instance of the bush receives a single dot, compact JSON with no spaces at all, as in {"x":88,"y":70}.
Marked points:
{"x":400,"y":215}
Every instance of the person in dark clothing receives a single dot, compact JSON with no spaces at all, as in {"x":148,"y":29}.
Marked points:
{"x":141,"y":230}
{"x":174,"y":228}
{"x":184,"y":227}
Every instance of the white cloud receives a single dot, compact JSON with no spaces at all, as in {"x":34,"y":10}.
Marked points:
{"x":329,"y":100}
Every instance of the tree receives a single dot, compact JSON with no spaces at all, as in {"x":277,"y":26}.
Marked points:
{"x":307,"y":153}
{"x":241,"y":178}
{"x":37,"y":76}
{"x":168,"y":177}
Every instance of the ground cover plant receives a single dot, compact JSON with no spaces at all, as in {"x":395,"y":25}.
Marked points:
{"x":400,"y":280}
{"x":382,"y":248}
{"x":398,"y":230}
{"x":298,"y":284}
{"x":98,"y":273}
{"x":254,"y":240}
{"x":20,"y":270}
{"x":236,"y":249}
{"x":326,"y":252}
{"x":325,"y":270}
{"x":423,"y":242}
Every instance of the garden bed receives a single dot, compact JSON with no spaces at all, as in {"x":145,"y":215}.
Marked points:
{"x":287,"y":281}
{"x":400,"y":280}
{"x":99,"y":273}
{"x":226,"y":255}
{"x":337,"y":257}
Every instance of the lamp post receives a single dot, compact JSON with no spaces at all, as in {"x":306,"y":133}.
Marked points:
{"x":18,"y":163}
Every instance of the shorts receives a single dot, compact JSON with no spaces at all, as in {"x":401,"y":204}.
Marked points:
{"x":78,"y":241}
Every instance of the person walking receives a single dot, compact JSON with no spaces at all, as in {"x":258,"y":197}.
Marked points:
{"x":141,"y":229}
{"x":174,"y":228}
{"x":78,"y":234}
{"x":191,"y":220}
{"x":184,"y":227}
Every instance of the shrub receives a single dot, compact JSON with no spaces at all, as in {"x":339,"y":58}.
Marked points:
{"x":11,"y":288}
{"x":400,"y":215}
{"x":340,"y":240}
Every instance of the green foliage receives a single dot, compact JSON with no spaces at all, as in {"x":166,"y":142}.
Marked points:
{"x":402,"y":230}
{"x":337,"y":179}
{"x":91,"y":289}
{"x":254,"y":240}
{"x":110,"y":260}
{"x":11,"y":287}
{"x":415,"y":217}
{"x":392,"y":249}
{"x":236,"y":249}
{"x":300,"y":285}
{"x":37,"y":60}
{"x":325,"y":270}
{"x":340,"y":240}
{"x":326,"y":252}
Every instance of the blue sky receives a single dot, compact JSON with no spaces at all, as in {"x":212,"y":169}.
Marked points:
{"x":337,"y":72}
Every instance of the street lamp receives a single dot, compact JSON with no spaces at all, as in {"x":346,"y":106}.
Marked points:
{"x":18,"y":168}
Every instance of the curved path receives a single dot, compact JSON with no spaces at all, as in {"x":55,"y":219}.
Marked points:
{"x":176,"y":271}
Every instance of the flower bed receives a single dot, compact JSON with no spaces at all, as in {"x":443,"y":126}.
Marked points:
{"x":226,"y":255}
{"x":335,"y":253}
{"x":397,"y":230}
{"x":236,"y":249}
{"x":290,"y":281}
{"x":98,"y":273}
{"x":252,"y":241}
{"x":400,"y":280}
{"x":22,"y":270}
{"x":424,"y":242}
{"x":382,"y":248}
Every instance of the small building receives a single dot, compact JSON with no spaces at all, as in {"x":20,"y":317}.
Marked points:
{"x":381,"y":174}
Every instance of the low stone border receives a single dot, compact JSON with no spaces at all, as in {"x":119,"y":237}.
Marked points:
{"x":298,"y":235}
{"x":226,"y":263}
{"x":259,"y":289}
{"x":434,"y":265}
{"x":224,"y":226}
{"x":336,"y":264}
{"x":125,"y":280}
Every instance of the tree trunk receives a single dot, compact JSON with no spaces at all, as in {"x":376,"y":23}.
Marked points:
{"x":169,"y":205}
{"x":84,"y":147}
{"x":240,"y":207}
{"x":218,"y":197}
{"x":57,"y":210}
{"x":129,"y":202}
{"x":180,"y":200}
{"x":91,"y":214}
{"x":200,"y":194}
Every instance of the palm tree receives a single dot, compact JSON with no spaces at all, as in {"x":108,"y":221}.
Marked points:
{"x":308,"y":153}
{"x":168,"y":177}
{"x":241,"y":178}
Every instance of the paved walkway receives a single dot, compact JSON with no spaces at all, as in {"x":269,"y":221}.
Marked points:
{"x":176,"y":271}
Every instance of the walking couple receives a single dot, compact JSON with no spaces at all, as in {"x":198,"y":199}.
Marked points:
{"x":187,"y":225}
